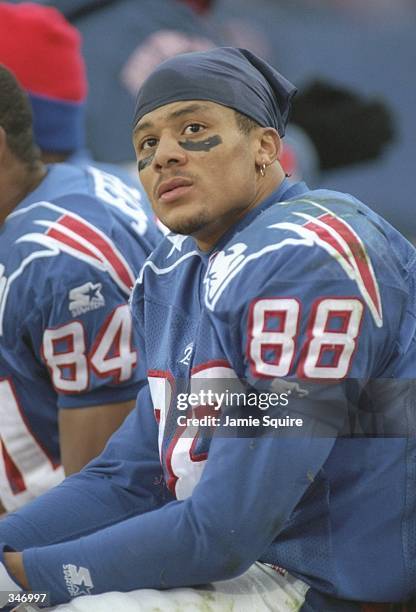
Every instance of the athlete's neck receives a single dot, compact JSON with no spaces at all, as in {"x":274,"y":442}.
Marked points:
{"x":209,"y":237}
{"x":16,"y":182}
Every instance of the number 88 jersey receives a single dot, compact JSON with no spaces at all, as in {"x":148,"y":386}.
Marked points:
{"x":315,"y":289}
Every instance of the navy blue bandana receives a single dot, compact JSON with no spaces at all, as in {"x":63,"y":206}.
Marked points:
{"x":232,"y":77}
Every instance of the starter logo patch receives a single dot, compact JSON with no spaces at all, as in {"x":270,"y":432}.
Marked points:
{"x":85,"y":298}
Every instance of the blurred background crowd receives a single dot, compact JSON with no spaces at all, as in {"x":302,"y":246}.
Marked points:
{"x":353,"y":122}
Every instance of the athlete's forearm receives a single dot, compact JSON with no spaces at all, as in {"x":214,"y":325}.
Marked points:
{"x":80,"y":505}
{"x":99,"y":496}
{"x":215,"y":534}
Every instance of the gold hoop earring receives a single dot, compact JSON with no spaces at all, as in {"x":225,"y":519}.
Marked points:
{"x":263,"y":170}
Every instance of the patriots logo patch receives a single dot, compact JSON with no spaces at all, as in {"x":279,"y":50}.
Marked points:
{"x":339,"y":240}
{"x":327,"y":231}
{"x":73,"y":235}
{"x":67,"y":232}
{"x":221,"y":267}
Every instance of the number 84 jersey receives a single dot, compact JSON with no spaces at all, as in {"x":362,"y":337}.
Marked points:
{"x":69,"y":254}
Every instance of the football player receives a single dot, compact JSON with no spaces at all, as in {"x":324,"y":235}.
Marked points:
{"x":267,"y":300}
{"x":72,"y":242}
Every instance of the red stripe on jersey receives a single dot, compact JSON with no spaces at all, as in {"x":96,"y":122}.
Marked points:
{"x":358,"y":254}
{"x":105,"y":247}
{"x":60,"y":237}
{"x":326,"y":236}
{"x":215,"y":363}
{"x":360,"y":257}
{"x":14,"y":475}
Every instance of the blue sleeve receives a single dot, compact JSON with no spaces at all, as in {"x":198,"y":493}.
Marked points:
{"x":125,"y":480}
{"x":214,"y":535}
{"x":217,"y":533}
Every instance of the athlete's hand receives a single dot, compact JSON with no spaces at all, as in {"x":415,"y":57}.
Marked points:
{"x":345,"y":127}
{"x":7,"y":584}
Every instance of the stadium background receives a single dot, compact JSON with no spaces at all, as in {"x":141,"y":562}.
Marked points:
{"x":365,"y":45}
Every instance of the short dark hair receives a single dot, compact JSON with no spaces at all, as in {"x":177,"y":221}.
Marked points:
{"x":16,"y":118}
{"x":245,"y":124}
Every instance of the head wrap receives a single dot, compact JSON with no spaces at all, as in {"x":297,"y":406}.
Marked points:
{"x":232,"y":77}
{"x":43,"y":51}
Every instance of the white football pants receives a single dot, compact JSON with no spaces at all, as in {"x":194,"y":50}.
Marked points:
{"x":260,"y":589}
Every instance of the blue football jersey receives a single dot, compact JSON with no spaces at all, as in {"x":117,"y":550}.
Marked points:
{"x":311,"y":296}
{"x":319,"y":292}
{"x":69,"y":255}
